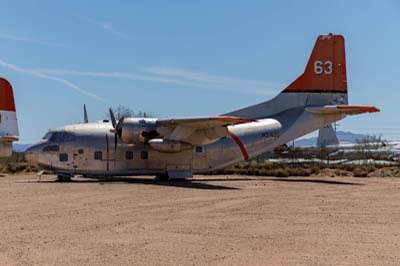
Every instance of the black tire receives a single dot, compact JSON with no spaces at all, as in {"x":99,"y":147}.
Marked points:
{"x":163,"y":177}
{"x":63,"y":178}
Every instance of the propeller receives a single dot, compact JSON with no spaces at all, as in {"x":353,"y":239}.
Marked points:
{"x":117,"y":128}
{"x":85,"y":116}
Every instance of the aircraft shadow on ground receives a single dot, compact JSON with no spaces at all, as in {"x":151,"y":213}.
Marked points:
{"x":192,"y":184}
{"x":201,"y":183}
{"x":308,"y":180}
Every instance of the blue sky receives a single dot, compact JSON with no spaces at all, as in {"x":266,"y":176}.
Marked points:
{"x":189,"y":58}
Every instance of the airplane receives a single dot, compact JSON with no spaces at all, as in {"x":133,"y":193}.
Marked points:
{"x":177,"y":148}
{"x":8,"y":119}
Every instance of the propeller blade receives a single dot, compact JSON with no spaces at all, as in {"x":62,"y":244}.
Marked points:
{"x":115,"y":143}
{"x":85,"y":116}
{"x":118,"y":127}
{"x":113,"y":121}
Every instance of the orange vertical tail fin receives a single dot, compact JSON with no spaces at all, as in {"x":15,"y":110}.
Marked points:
{"x":326,"y":68}
{"x":6,"y":96}
{"x":8,"y":119}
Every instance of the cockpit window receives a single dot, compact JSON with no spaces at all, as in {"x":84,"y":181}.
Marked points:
{"x":48,"y":135}
{"x":62,"y":137}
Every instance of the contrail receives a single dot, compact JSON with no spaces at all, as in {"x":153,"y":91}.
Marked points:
{"x":25,"y":39}
{"x":45,"y":76}
{"x":184,"y":78}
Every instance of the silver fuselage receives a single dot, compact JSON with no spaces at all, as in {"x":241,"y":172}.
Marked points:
{"x":89,"y":150}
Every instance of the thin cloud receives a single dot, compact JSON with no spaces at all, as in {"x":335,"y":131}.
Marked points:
{"x":25,"y":39}
{"x":107,"y":27}
{"x":116,"y":75}
{"x":45,"y":76}
{"x":208,"y":80}
{"x":180,"y":77}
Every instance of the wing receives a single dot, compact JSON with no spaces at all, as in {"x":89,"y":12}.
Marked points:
{"x":197,"y":131}
{"x":342,"y":109}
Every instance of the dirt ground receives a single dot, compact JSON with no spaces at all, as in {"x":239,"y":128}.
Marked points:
{"x":212,"y":220}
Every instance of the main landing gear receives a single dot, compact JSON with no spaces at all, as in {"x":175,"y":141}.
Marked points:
{"x":175,"y":175}
{"x":162,"y":177}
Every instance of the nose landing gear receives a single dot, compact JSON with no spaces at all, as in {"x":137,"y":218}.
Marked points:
{"x":64,"y":178}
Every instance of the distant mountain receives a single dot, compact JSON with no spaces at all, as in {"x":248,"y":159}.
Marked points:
{"x":19,"y":147}
{"x":343,"y":136}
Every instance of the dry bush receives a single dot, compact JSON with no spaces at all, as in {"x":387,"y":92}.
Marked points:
{"x":282,"y":173}
{"x":13,"y":168}
{"x":359,"y":172}
{"x":285,"y":169}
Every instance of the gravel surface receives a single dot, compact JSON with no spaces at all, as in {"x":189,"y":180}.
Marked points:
{"x":212,"y":220}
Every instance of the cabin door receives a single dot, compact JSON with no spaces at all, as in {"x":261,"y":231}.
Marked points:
{"x":79,"y":159}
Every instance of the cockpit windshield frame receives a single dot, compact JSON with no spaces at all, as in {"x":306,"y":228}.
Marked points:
{"x":59,"y":136}
{"x":47,"y":136}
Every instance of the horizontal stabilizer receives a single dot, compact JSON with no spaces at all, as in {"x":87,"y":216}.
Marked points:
{"x":342,"y":109}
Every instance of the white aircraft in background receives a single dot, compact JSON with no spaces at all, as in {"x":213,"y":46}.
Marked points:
{"x":8,"y":119}
{"x":180,"y":147}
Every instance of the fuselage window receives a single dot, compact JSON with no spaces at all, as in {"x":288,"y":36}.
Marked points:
{"x":144,"y":155}
{"x":129,"y":155}
{"x":54,"y":148}
{"x":199,"y":149}
{"x":63,"y":157}
{"x":98,"y":155}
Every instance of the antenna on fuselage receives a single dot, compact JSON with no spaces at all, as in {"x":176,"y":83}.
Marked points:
{"x":85,"y":116}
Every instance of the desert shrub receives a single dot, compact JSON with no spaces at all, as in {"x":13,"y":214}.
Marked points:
{"x":347,"y":167}
{"x":370,"y":168}
{"x":315,"y":170}
{"x":340,"y":172}
{"x":282,"y":173}
{"x":12,"y":168}
{"x":360,"y":172}
{"x":299,"y":171}
{"x":245,"y":166}
{"x":391,"y":172}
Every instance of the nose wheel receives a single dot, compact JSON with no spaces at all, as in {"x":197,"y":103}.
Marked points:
{"x":64,"y":178}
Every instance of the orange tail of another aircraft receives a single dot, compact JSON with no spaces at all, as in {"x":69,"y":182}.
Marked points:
{"x":8,"y":118}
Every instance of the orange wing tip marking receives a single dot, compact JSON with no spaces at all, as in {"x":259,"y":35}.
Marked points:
{"x":367,"y":109}
{"x":240,"y":144}
{"x":232,"y":119}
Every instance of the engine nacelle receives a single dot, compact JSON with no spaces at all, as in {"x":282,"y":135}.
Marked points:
{"x":268,"y":128}
{"x":168,"y":146}
{"x":138,"y":130}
